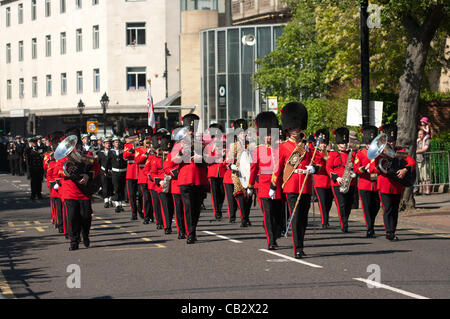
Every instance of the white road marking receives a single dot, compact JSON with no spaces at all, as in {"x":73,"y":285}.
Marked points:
{"x":378,"y":285}
{"x":292,"y":259}
{"x":223,"y":237}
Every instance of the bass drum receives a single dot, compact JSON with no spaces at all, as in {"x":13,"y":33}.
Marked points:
{"x":245,"y":160}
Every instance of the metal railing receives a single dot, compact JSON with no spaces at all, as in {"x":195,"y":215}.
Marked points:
{"x":439,"y":168}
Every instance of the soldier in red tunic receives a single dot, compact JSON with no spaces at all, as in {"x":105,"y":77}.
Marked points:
{"x":140,"y":158}
{"x":336,"y":163}
{"x":322,"y":182}
{"x":263,"y":164}
{"x":367,"y":182}
{"x":132,"y":174}
{"x":214,"y":156}
{"x":389,"y":187}
{"x":294,"y":118}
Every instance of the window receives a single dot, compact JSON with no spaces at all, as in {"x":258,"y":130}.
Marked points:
{"x":78,"y":4}
{"x":63,"y":83}
{"x":62,"y":6}
{"x":47,"y":8}
{"x":20,"y":50}
{"x":48,"y":45}
{"x":96,"y":80}
{"x":49,"y":85}
{"x":95,"y":2}
{"x":34,"y":86}
{"x":21,"y":88}
{"x":136,"y":79}
{"x":8,"y":16}
{"x":63,"y":43}
{"x":20,"y":13}
{"x":33,"y":9}
{"x":79,"y":40}
{"x":79,"y":82}
{"x":95,"y":37}
{"x":8,"y":89}
{"x":34,"y":48}
{"x":135,"y":33}
{"x":8,"y":53}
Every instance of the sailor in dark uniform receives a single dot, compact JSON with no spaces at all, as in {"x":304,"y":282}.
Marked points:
{"x":105,"y":173}
{"x":35,"y":159}
{"x":118,"y":172}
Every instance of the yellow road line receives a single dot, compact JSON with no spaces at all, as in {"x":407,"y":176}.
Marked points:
{"x":146,"y":239}
{"x":5,"y":288}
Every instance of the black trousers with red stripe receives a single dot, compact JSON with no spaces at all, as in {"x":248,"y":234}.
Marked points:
{"x":390,"y":204}
{"x":192,"y":197}
{"x":217,"y":195}
{"x":231,"y":202}
{"x":271,"y":209}
{"x":300,"y":219}
{"x":133,"y":198}
{"x":79,"y":214}
{"x":179,"y":214}
{"x":370,"y":202}
{"x":156,"y":207}
{"x":167,"y":209}
{"x":325,"y":196}
{"x":57,"y":209}
{"x":244,"y":204}
{"x":344,"y":203}
{"x":147,"y":206}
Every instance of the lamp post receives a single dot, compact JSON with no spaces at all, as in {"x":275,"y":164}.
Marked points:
{"x":365,"y":84}
{"x":167,"y":53}
{"x":80,"y":108}
{"x":104,"y":102}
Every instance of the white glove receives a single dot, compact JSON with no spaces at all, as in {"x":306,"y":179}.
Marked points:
{"x":233,"y":167}
{"x":250,"y":192}
{"x":310,"y":169}
{"x":306,"y":147}
{"x":56,"y":187}
{"x":272,"y":194}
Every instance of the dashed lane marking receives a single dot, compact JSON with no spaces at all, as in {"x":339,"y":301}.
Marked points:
{"x":379,"y":285}
{"x":5,"y":290}
{"x":223,"y":237}
{"x":292,"y":259}
{"x":138,"y":248}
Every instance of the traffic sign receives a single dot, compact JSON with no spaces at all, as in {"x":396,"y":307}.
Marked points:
{"x":92,"y":126}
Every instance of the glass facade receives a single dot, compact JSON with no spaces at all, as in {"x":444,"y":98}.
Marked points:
{"x":190,"y":5}
{"x":228,"y":65}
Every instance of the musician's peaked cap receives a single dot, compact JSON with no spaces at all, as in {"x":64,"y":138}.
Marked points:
{"x":294,"y":114}
{"x":391,"y":131}
{"x":266,"y":120}
{"x":342,"y":135}
{"x":166,"y":143}
{"x":190,"y":120}
{"x":240,"y":124}
{"x":326,"y":134}
{"x":369,"y":132}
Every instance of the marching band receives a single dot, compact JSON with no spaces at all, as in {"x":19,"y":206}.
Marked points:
{"x":165,"y":175}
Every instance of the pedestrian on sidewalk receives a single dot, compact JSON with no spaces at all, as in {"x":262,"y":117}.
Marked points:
{"x":423,"y":162}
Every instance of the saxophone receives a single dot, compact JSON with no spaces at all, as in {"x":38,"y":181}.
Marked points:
{"x":348,"y":175}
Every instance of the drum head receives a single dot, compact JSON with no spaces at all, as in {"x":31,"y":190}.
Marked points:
{"x":245,"y":161}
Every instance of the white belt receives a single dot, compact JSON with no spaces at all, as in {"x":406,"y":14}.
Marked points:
{"x":103,"y":168}
{"x":300,"y":171}
{"x":131,"y":162}
{"x":141,"y":165}
{"x":119,"y":170}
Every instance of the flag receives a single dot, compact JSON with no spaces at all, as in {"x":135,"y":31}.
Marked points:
{"x":151,"y":112}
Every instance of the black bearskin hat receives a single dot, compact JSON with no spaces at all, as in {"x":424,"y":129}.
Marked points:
{"x":342,"y":135}
{"x":326,"y":135}
{"x":189,"y":120}
{"x":294,"y":114}
{"x":240,"y":124}
{"x":369,"y":132}
{"x":391,"y":131}
{"x":266,"y":120}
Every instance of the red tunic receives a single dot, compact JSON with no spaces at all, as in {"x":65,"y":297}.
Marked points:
{"x":146,"y":171}
{"x":69,"y":189}
{"x":364,"y":182}
{"x":263,"y":164}
{"x":140,"y":158}
{"x":216,"y":167}
{"x":190,"y":173}
{"x":156,"y":171}
{"x":132,"y":168}
{"x":336,"y":166}
{"x":321,"y":178}
{"x":385,"y":184}
{"x":295,"y":182}
{"x":170,"y":168}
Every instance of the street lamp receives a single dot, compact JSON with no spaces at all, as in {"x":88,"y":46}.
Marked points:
{"x":104,"y":102}
{"x":80,"y":108}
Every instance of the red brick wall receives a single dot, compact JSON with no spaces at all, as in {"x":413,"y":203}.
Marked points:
{"x":438,"y":114}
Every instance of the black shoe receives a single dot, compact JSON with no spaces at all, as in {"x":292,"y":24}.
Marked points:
{"x":73,"y":246}
{"x":146,"y":222}
{"x":133,"y":217}
{"x":181,"y":236}
{"x":272,"y":247}
{"x":344,"y":229}
{"x":275,"y":244}
{"x":370,"y":234}
{"x":244,"y":224}
{"x":106,"y":205}
{"x":151,"y":220}
{"x":299,"y":254}
{"x":141,"y":215}
{"x":190,"y":240}
{"x":60,"y":230}
{"x":118,"y":209}
{"x":159,"y":227}
{"x":168,"y":231}
{"x":218,"y":216}
{"x":248,"y":223}
{"x":86,"y":241}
